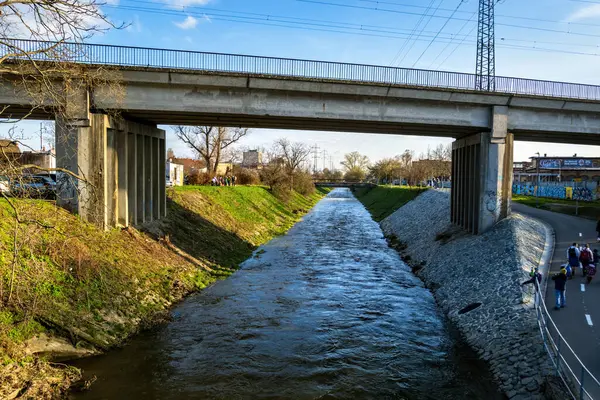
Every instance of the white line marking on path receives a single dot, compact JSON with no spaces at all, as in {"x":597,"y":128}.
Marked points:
{"x":583,"y":287}
{"x":589,"y":319}
{"x":580,"y":235}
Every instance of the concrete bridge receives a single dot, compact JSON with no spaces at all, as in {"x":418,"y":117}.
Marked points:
{"x":195,"y":88}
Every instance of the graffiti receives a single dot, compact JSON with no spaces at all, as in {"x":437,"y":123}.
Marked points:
{"x":556,"y":192}
{"x":523,"y":189}
{"x":582,"y":194}
{"x":491,"y":201}
{"x":552,"y":192}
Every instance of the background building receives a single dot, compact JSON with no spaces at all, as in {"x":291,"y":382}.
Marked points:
{"x":252,"y":159}
{"x":558,"y":169}
{"x":175,"y":173}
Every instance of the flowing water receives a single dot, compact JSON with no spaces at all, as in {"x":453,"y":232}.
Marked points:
{"x":327,"y":311}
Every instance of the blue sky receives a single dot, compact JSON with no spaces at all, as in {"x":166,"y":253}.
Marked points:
{"x":542,"y":39}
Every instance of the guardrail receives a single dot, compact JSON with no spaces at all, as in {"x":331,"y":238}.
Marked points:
{"x":577,"y":378}
{"x":221,"y":62}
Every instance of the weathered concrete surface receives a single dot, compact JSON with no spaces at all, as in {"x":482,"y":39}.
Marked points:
{"x":463,"y":269}
{"x":229,"y":99}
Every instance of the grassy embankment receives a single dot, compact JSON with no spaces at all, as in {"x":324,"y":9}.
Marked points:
{"x":87,"y":290}
{"x":590,"y":210}
{"x":382,"y":201}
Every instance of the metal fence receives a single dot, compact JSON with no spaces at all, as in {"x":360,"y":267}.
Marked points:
{"x":578,"y":381}
{"x":220,"y":62}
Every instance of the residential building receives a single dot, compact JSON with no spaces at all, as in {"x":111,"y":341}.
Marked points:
{"x":252,"y":159}
{"x":175,"y":173}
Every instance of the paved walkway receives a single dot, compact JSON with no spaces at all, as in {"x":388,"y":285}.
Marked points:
{"x":579,"y":322}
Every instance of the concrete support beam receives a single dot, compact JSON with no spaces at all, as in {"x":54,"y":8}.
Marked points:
{"x":163,"y":176}
{"x":141,"y":178}
{"x":156,"y":198}
{"x":122,"y":142}
{"x":120,"y":165}
{"x":482,"y":176}
{"x":132,"y":181}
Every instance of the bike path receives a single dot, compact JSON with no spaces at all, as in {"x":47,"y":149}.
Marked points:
{"x":579,"y":322}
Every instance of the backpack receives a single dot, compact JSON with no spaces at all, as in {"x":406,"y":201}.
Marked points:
{"x":572,"y":252}
{"x":585,"y":256}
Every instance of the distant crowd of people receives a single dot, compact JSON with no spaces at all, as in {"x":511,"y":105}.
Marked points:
{"x":578,"y":256}
{"x":228,"y":180}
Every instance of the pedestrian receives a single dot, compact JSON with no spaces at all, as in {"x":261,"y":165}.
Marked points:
{"x":573,"y":257}
{"x":596,"y":258}
{"x":560,"y":288}
{"x":586,"y":257}
{"x":598,"y":230}
{"x":535,"y":277}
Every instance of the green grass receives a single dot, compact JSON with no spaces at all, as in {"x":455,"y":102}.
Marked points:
{"x":590,"y":210}
{"x":382,"y":201}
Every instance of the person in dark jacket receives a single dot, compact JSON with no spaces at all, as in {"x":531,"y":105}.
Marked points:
{"x":560,"y":288}
{"x":598,"y":229}
{"x":535,"y":277}
{"x":596,"y":258}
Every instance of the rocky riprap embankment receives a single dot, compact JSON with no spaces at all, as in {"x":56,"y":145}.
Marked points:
{"x":464,"y":270}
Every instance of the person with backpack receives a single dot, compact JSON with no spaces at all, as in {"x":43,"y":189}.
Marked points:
{"x":586,"y":257}
{"x":560,"y":288}
{"x":573,"y":257}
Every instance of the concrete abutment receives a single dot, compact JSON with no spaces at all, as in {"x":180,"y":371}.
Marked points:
{"x":111,"y":170}
{"x":482,"y":174}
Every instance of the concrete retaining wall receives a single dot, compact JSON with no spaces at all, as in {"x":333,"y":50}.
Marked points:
{"x":462,"y":270}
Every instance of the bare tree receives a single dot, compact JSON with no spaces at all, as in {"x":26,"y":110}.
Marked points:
{"x":355,"y":161}
{"x":211,"y":143}
{"x":292,"y":154}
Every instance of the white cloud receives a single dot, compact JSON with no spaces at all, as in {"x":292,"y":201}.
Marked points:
{"x":188,"y":23}
{"x":587,"y":12}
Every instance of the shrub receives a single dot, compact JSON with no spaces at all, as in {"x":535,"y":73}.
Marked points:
{"x":247,"y":177}
{"x":303,"y":183}
{"x":281,"y":190}
{"x":199,"y":178}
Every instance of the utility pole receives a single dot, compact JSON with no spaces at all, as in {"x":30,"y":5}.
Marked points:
{"x":41,"y":136}
{"x":315,"y":158}
{"x":485,"y":69}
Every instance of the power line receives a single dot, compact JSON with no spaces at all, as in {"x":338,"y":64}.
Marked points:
{"x":334,"y":29}
{"x":413,"y":31}
{"x":454,"y":18}
{"x":412,"y":44}
{"x":497,"y":15}
{"x":440,"y":31}
{"x":485,"y":66}
{"x":449,"y":44}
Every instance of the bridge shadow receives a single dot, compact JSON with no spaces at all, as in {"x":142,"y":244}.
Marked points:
{"x":202,"y":239}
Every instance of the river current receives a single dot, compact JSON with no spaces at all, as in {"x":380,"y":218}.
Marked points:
{"x":327,"y":311}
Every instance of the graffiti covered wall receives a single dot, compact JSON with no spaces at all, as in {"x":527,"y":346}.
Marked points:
{"x":558,"y":192}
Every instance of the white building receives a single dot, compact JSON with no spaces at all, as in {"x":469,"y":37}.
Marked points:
{"x":174,"y":174}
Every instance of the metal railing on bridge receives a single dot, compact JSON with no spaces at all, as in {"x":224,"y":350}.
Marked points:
{"x":579,"y":382}
{"x":287,"y":67}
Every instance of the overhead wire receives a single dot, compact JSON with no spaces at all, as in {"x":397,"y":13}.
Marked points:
{"x":267,"y":20}
{"x":454,"y":18}
{"x":438,"y":34}
{"x":412,"y":44}
{"x":405,"y":43}
{"x":449,"y":44}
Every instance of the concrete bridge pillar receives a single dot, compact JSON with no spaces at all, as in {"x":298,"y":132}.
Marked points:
{"x":114,"y":178}
{"x":482,"y":176}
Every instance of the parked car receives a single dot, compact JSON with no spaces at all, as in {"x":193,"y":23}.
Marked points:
{"x":35,"y":186}
{"x":4,"y":185}
{"x":169,"y":183}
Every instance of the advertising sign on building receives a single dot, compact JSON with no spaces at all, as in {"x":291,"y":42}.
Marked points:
{"x":569,"y":163}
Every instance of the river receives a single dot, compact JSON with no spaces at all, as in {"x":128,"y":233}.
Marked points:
{"x":327,"y":311}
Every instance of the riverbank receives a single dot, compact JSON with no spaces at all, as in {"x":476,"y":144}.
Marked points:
{"x":382,"y":201}
{"x":476,"y":282}
{"x":70,"y":289}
